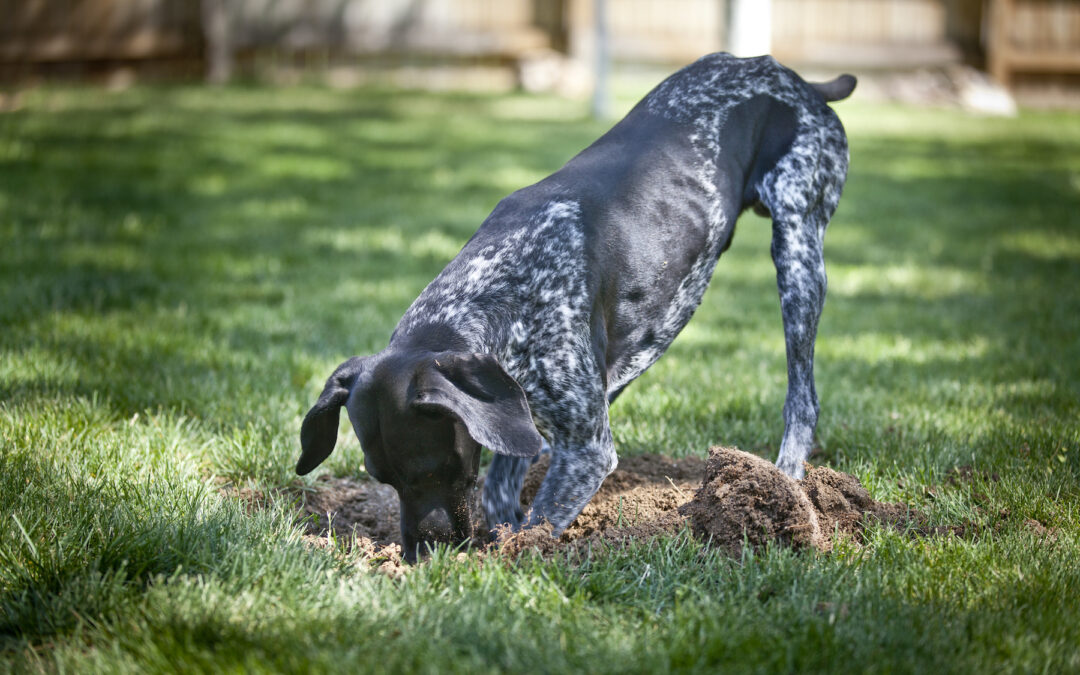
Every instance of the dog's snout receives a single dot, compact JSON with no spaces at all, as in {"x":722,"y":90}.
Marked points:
{"x":425,"y":527}
{"x":435,"y":525}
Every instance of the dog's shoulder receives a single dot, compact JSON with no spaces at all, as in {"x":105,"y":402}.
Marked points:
{"x":525,"y":250}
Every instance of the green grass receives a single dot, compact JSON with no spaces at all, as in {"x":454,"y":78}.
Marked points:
{"x":182,"y":267}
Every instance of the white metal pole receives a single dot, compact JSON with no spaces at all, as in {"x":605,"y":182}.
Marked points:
{"x":750,"y":27}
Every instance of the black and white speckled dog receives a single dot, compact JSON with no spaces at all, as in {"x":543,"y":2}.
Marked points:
{"x":573,"y":286}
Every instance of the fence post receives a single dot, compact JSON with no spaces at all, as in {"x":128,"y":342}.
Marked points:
{"x":219,"y":56}
{"x":998,"y":53}
{"x":601,"y":100}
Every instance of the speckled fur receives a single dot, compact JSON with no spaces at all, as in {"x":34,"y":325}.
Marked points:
{"x":524,"y":289}
{"x":525,"y":299}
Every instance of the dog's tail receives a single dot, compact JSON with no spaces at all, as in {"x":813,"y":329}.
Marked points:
{"x":836,"y":90}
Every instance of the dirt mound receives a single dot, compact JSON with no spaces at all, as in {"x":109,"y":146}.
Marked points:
{"x":742,"y":497}
{"x":843,"y":504}
{"x":746,"y":497}
{"x":641,"y":490}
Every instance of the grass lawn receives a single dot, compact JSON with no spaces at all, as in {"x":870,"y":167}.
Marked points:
{"x":180,"y":269}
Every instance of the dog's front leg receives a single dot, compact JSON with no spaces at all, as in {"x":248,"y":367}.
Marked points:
{"x":502,"y":491}
{"x":576,"y":472}
{"x":800,"y":277}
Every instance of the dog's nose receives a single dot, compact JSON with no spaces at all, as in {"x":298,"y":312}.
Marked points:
{"x":435,"y":526}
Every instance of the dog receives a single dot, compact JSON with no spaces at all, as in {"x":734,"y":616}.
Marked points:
{"x":574,"y":286}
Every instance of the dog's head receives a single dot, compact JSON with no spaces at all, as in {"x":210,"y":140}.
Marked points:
{"x":422,"y":418}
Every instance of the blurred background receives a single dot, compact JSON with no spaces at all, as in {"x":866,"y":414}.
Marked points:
{"x":973,"y":53}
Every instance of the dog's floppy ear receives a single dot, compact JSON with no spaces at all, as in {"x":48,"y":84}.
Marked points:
{"x":475,"y":389}
{"x":318,"y":434}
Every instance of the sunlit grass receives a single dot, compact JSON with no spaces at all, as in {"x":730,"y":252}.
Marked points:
{"x":183,"y":267}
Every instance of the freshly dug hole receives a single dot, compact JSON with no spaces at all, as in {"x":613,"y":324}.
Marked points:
{"x":344,"y":507}
{"x":741,"y":496}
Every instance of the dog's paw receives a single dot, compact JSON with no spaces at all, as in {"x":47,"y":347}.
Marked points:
{"x":506,"y":526}
{"x":506,"y":521}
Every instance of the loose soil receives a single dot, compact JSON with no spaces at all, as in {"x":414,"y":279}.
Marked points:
{"x":640,"y":499}
{"x":746,"y":498}
{"x":732,"y":498}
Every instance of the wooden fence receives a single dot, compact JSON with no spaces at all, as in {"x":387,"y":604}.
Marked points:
{"x":876,"y":33}
{"x":1023,"y":35}
{"x":1030,"y":36}
{"x":47,"y":31}
{"x":676,"y":31}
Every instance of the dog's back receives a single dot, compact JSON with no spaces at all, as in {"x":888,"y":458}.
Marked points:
{"x":607,"y":259}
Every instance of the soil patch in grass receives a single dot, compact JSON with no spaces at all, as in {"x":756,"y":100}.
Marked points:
{"x":640,"y":499}
{"x":345,"y":508}
{"x":732,"y":498}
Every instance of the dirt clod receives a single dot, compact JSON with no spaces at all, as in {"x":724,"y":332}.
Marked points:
{"x":1040,"y":530}
{"x":745,"y":497}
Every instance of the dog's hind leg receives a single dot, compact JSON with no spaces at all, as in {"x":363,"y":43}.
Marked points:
{"x":800,"y":277}
{"x":802,"y":197}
